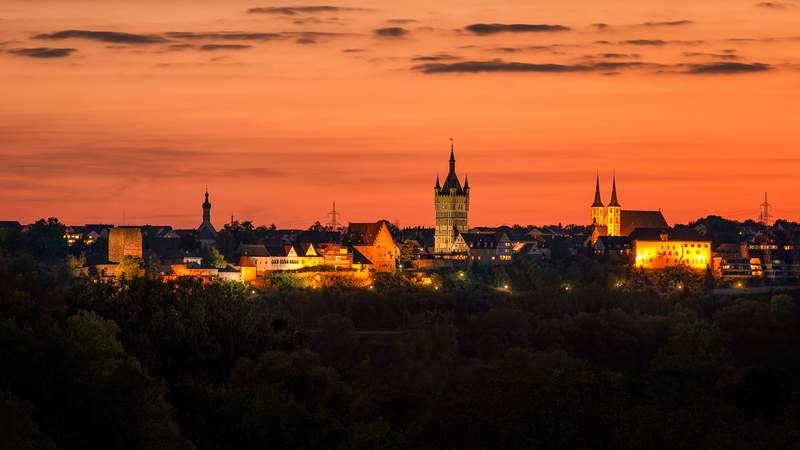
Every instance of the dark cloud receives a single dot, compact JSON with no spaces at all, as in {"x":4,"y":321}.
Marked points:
{"x":401,"y":21}
{"x":434,"y":58}
{"x":43,"y":52}
{"x":215,"y":47}
{"x":651,"y":42}
{"x":772,"y":5}
{"x":506,"y":49}
{"x":104,"y":36}
{"x":493,"y":28}
{"x":619,"y":55}
{"x":601,"y":26}
{"x":673,"y":23}
{"x":498,"y":66}
{"x":298,"y":10}
{"x":728,"y":56}
{"x":391,"y":32}
{"x":727,"y":68}
{"x":353,"y":50}
{"x":223,"y":35}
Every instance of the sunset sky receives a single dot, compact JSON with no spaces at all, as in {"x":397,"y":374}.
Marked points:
{"x":130,"y":107}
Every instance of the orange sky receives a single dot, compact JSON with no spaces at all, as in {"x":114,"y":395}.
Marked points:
{"x":696,"y":104}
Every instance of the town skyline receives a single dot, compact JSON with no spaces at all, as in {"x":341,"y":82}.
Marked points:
{"x":282,"y":108}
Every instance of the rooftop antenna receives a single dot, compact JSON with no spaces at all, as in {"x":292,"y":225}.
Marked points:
{"x":334,"y":223}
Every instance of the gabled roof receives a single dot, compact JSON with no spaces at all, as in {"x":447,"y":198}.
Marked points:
{"x":253,"y":250}
{"x":364,"y":233}
{"x":614,"y":242}
{"x":657,"y":234}
{"x":631,"y":220}
{"x":278,"y":250}
{"x":359,"y":258}
{"x":481,"y":240}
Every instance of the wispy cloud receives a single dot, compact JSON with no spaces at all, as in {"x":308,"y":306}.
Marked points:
{"x":103,"y":36}
{"x":299,"y":10}
{"x":494,"y":28}
{"x":43,"y":52}
{"x":672,"y":23}
{"x":727,"y":68}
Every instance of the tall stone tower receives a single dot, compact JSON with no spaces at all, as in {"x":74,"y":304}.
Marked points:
{"x":598,"y":209}
{"x":452,"y":207}
{"x":614,"y":214}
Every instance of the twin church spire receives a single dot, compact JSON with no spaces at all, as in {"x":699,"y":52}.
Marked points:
{"x":609,"y":217}
{"x":598,"y":202}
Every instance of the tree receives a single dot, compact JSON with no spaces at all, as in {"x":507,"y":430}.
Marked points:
{"x":213,"y":258}
{"x":46,"y":240}
{"x":409,"y":251}
{"x":128,"y":268}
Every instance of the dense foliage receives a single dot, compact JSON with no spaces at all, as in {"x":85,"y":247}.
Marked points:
{"x":577,"y":354}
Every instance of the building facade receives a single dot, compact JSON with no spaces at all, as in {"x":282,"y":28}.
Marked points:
{"x":660,"y":248}
{"x":124,"y":241}
{"x":613,"y":221}
{"x":451,"y":201}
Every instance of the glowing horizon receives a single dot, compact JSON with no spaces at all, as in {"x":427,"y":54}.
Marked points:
{"x":133,"y":107}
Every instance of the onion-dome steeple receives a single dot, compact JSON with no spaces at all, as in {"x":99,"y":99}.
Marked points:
{"x":614,"y":201}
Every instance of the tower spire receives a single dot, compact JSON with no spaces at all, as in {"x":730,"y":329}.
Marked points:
{"x":437,"y":182}
{"x":466,"y":182}
{"x":598,"y":201}
{"x":452,"y":156}
{"x":614,"y":201}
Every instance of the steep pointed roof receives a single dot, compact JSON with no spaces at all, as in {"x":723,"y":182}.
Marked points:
{"x":614,"y":201}
{"x":451,"y":182}
{"x":438,"y":186}
{"x":598,"y":202}
{"x":466,"y":182}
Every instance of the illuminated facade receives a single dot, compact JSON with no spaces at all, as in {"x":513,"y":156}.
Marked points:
{"x":452,"y":209}
{"x":124,"y":241}
{"x":613,"y":221}
{"x":661,"y":248}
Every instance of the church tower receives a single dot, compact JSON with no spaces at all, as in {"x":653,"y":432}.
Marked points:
{"x":598,"y":209}
{"x":614,"y":213}
{"x":452,"y":207}
{"x":207,"y":215}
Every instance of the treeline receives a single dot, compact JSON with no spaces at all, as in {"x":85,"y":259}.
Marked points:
{"x":575,"y":355}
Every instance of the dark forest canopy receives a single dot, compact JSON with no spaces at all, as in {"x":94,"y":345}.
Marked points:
{"x":573,"y":354}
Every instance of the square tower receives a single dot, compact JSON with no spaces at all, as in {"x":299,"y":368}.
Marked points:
{"x":452,"y":209}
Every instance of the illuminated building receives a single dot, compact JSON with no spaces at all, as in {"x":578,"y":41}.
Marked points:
{"x":614,"y":221}
{"x":374,"y":242}
{"x":452,"y":208}
{"x":124,"y":241}
{"x":484,"y":248}
{"x":659,"y":248}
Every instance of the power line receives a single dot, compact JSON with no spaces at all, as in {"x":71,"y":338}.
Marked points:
{"x":334,"y":222}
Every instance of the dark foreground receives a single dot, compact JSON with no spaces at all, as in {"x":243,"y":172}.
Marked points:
{"x":580,"y":355}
